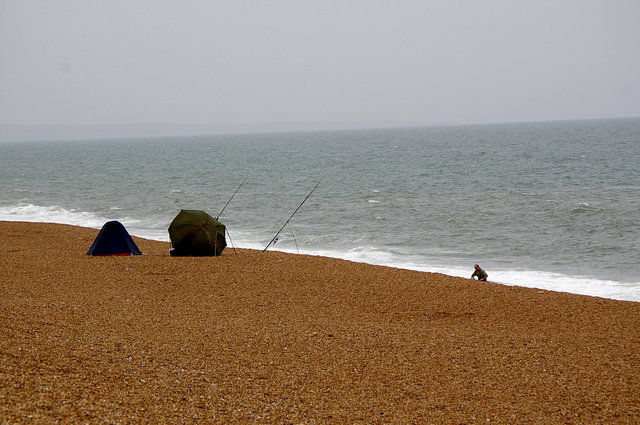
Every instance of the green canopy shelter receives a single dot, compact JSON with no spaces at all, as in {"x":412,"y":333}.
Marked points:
{"x":195,"y":233}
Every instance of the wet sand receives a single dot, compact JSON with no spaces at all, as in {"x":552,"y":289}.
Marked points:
{"x":253,"y":337}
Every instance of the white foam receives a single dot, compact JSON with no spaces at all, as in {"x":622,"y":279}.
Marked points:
{"x":584,"y":285}
{"x":56,"y":214}
{"x":161,"y":235}
{"x":50,"y":214}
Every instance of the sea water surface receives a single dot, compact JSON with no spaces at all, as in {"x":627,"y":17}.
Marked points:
{"x":550,"y":205}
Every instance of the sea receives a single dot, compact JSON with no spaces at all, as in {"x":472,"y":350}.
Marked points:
{"x":549,"y":205}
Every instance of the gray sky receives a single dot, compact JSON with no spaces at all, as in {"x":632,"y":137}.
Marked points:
{"x":65,"y":62}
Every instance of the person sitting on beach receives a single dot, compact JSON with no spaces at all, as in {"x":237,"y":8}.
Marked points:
{"x":480,"y":273}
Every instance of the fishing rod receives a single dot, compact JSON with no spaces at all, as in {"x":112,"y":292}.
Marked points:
{"x":294,"y":213}
{"x":294,"y":238}
{"x":234,"y":194}
{"x":231,"y":240}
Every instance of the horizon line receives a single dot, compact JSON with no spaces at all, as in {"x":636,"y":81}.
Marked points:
{"x":176,"y":129}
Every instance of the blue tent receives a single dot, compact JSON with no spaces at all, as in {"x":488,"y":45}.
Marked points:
{"x":113,"y":239}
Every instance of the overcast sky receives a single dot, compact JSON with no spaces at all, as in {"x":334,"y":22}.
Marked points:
{"x":252,"y":62}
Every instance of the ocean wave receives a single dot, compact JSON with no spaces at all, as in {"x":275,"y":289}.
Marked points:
{"x":398,"y":258}
{"x":574,"y":284}
{"x":50,"y":214}
{"x":56,"y":214}
{"x":582,"y":207}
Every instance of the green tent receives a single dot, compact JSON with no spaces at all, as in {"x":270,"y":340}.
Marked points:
{"x":195,"y":233}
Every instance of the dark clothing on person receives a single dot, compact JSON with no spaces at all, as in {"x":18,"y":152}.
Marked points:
{"x":480,"y":273}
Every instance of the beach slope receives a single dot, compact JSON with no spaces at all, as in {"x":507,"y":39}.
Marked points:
{"x":251,"y":337}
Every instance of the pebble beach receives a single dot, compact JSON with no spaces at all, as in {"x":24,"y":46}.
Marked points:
{"x":276,"y":338}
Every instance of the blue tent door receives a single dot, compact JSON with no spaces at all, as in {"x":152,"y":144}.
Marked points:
{"x":113,"y":239}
